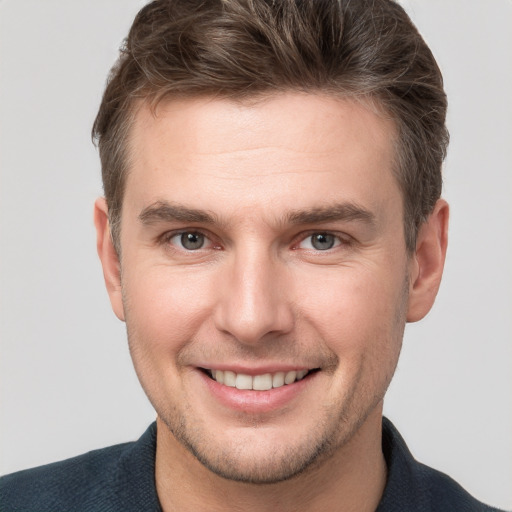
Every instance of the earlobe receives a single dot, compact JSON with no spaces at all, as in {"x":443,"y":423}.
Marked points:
{"x":108,"y":257}
{"x":427,"y":262}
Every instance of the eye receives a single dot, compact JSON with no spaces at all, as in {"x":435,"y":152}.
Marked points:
{"x":320,"y":242}
{"x":189,"y":240}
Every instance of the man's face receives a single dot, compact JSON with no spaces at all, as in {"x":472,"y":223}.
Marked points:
{"x":259,"y":240}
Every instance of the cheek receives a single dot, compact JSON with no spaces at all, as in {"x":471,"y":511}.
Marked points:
{"x":164,"y":308}
{"x":344,"y":290}
{"x":361,"y":321}
{"x":356,"y":310}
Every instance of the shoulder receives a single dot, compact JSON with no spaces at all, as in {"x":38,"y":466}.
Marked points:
{"x":101,"y":480}
{"x":441,"y":492}
{"x":69,"y":482}
{"x":414,"y":486}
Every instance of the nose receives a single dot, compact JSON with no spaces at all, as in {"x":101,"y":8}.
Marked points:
{"x":255,"y":302}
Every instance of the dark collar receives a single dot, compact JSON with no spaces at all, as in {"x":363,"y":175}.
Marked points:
{"x":136,"y":475}
{"x":410,"y":486}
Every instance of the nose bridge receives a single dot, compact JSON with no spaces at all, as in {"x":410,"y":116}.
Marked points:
{"x":254,"y":301}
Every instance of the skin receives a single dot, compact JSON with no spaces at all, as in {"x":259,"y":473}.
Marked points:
{"x":261,"y":179}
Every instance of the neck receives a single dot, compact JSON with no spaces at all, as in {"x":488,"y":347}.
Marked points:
{"x":352,"y":479}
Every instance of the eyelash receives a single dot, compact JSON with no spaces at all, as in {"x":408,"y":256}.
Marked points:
{"x":167,"y":237}
{"x":339,"y":240}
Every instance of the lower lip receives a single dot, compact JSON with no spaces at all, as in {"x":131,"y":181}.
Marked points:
{"x":251,"y":401}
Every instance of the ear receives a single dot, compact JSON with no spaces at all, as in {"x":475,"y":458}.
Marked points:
{"x":108,"y":257}
{"x":427,"y":262}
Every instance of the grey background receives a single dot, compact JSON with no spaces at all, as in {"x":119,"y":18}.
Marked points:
{"x":67,"y":385}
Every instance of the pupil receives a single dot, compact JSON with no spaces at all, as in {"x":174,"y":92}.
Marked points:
{"x":192,"y":241}
{"x":322,"y":241}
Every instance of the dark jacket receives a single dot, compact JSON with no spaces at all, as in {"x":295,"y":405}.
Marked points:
{"x":121,"y":479}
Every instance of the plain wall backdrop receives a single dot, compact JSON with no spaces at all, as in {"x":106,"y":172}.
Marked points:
{"x":67,"y":384}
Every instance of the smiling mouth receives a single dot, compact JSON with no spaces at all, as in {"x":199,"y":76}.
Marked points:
{"x":262,"y":382}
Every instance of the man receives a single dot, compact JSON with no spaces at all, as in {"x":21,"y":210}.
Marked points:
{"x":272,"y":219}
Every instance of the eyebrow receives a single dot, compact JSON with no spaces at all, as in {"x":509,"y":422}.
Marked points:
{"x":164,"y":211}
{"x":337,"y":212}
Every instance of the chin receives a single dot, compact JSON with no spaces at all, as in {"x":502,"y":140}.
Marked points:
{"x":261,"y":454}
{"x":270,"y":465}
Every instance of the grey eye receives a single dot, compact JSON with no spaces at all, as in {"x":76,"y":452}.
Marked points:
{"x":192,"y":241}
{"x":322,"y":241}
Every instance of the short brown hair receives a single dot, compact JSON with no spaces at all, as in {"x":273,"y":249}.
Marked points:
{"x":243,"y":48}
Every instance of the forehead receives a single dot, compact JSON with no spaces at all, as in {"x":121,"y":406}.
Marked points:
{"x":273,"y":152}
{"x":224,"y":124}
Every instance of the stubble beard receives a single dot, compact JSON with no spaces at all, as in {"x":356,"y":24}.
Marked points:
{"x":283,"y":463}
{"x":338,"y":427}
{"x":230,"y":463}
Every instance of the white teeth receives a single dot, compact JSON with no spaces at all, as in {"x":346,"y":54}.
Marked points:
{"x":230,"y":379}
{"x":258,"y":382}
{"x":301,"y":374}
{"x":290,"y":377}
{"x":278,"y":380}
{"x":262,"y":382}
{"x":243,"y":381}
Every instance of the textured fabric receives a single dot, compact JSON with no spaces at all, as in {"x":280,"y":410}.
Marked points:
{"x":121,"y":479}
{"x":115,"y":479}
{"x":412,"y":486}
